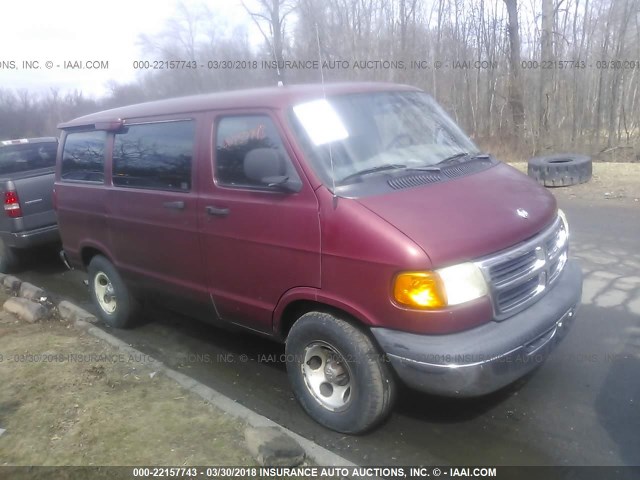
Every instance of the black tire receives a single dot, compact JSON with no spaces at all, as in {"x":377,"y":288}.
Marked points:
{"x":561,"y":170}
{"x":125,"y":306}
{"x":9,"y":259}
{"x":371,"y":388}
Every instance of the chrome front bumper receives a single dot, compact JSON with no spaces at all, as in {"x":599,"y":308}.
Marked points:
{"x":486,"y":358}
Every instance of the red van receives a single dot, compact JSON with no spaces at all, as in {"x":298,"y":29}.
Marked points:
{"x":354,"y":222}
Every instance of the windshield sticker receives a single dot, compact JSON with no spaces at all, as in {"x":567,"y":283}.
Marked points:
{"x":321,"y":122}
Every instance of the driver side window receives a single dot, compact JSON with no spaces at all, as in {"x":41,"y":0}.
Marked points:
{"x":236,"y":138}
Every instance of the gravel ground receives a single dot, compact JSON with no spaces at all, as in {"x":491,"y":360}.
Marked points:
{"x":611,"y":182}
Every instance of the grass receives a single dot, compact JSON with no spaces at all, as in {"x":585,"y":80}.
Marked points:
{"x":111,"y":410}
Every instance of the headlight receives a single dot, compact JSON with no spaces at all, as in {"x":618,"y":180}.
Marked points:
{"x":440,"y":288}
{"x":463,"y":283}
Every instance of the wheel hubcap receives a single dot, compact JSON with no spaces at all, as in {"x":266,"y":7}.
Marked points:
{"x":327,"y":376}
{"x":105,"y":293}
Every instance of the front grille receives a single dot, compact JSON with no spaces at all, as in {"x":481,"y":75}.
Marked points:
{"x":504,"y":272}
{"x":518,"y":276}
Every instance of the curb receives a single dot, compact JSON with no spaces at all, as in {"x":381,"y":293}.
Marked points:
{"x":83,"y":320}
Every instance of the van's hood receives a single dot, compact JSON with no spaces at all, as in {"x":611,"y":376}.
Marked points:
{"x":468,"y":217}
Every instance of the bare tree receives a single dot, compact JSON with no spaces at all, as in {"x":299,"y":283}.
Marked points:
{"x":515,"y":86}
{"x":546,"y":57}
{"x":481,"y":59}
{"x":274,"y":14}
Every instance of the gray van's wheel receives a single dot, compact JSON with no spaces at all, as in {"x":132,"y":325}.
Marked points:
{"x":561,"y":170}
{"x":116,"y":306}
{"x":337,"y":374}
{"x":8,"y":259}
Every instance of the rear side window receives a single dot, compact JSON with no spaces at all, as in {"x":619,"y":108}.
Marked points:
{"x":236,"y":136}
{"x":29,"y":156}
{"x":154,"y":155}
{"x":83,"y":156}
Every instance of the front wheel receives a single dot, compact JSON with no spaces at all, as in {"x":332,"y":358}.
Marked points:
{"x":337,"y":374}
{"x":112,"y":298}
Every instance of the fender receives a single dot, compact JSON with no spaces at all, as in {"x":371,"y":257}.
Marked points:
{"x":97,"y":245}
{"x":319,"y":296}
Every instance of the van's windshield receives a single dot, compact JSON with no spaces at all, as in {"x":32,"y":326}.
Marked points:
{"x":374,"y":132}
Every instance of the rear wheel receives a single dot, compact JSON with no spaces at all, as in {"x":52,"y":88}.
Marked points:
{"x":112,"y":298}
{"x":337,"y":374}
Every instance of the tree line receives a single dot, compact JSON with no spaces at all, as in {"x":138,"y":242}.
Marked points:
{"x":522,"y":77}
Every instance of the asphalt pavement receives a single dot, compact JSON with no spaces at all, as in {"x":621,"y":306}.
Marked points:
{"x":582,"y":407}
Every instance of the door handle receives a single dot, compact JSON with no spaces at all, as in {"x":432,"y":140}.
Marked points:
{"x":178,"y":205}
{"x":216,"y":211}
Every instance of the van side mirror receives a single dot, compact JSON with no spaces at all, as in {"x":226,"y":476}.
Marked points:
{"x":265,"y":166}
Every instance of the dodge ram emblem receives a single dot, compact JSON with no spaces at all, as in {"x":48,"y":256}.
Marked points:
{"x":522,"y":213}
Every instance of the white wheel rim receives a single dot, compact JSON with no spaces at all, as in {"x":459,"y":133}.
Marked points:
{"x":327,"y":376}
{"x":105,"y":293}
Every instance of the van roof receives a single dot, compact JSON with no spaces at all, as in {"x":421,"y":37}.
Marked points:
{"x":269,"y":97}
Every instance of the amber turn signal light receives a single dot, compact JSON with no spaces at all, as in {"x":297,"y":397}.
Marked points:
{"x":420,"y":290}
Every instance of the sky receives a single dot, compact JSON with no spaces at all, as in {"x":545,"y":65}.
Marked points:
{"x":82,"y":30}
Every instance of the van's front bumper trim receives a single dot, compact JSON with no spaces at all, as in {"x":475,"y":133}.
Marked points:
{"x":484,"y":359}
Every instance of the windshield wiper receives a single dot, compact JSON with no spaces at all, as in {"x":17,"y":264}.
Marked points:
{"x":379,"y":168}
{"x":453,"y":158}
{"x":436,"y":166}
{"x":460,"y":155}
{"x":429,"y":168}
